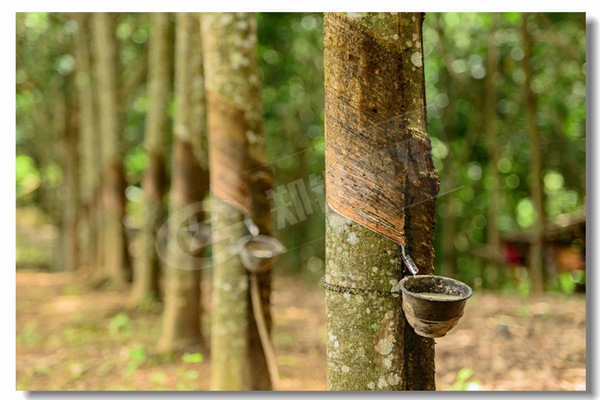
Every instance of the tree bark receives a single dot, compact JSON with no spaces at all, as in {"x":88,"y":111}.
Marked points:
{"x":147,"y":265}
{"x":261,"y":183}
{"x":71,"y":207}
{"x":378,"y":163}
{"x":189,"y":185}
{"x":239,"y":182}
{"x":493,"y":147}
{"x":86,"y":133}
{"x":536,"y":262}
{"x":89,"y":146}
{"x":116,"y":257}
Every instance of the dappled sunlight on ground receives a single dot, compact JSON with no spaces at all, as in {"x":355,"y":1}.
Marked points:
{"x":71,"y":338}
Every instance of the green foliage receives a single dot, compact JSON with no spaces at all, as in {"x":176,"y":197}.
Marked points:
{"x":28,"y":176}
{"x":455,"y":49}
{"x":192,"y":358}
{"x":567,"y":282}
{"x":118,"y":324}
{"x":464,"y":382}
{"x":29,"y":335}
{"x":137,"y":357}
{"x":291,"y":63}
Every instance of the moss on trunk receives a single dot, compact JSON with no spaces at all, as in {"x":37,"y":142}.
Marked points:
{"x":380,"y":175}
{"x":239,"y":181}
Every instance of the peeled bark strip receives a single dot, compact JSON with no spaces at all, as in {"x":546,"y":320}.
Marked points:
{"x":537,"y":188}
{"x":115,"y":255}
{"x":382,"y":188}
{"x":229,"y":149}
{"x":147,"y":266}
{"x":239,"y":181}
{"x":182,"y":315}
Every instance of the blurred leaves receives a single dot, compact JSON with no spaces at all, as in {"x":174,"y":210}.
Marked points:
{"x":192,"y":358}
{"x":463,"y":381}
{"x":118,"y":324}
{"x":455,"y":48}
{"x":291,"y":63}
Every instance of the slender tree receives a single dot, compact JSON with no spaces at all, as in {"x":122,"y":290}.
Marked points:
{"x":147,"y":265}
{"x":536,"y":261}
{"x":71,"y":171}
{"x":494,"y":151}
{"x":115,"y":256}
{"x":89,"y":142}
{"x":239,"y":182}
{"x":379,"y":174}
{"x":261,"y":183}
{"x":189,"y":186}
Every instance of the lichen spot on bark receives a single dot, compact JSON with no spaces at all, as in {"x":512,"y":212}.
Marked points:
{"x":352,"y":238}
{"x":385,"y":345}
{"x":395,"y":283}
{"x":393,"y":379}
{"x":416,"y":59}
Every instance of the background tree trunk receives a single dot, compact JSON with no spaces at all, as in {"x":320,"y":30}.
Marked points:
{"x":261,"y":182}
{"x":182,"y":314}
{"x":88,"y":144}
{"x":536,"y":260}
{"x":72,"y":208}
{"x":374,"y":93}
{"x":236,"y":127}
{"x":147,"y":265}
{"x":493,"y":146}
{"x":116,"y":257}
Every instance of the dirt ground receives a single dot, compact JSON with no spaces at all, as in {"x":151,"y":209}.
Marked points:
{"x":70,"y":338}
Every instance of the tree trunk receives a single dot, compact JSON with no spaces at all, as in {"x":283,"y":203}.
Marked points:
{"x":379,"y":174}
{"x":261,"y":183}
{"x":88,"y":149}
{"x":239,"y":181}
{"x":71,"y":207}
{"x":536,"y":262}
{"x":493,"y":147}
{"x":147,"y":266}
{"x":116,"y":257}
{"x":189,"y":184}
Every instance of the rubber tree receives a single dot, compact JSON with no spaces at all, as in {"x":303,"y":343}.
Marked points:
{"x":89,"y":150}
{"x":494,"y":151}
{"x":381,"y":193}
{"x":239,"y":183}
{"x":189,"y":186}
{"x":116,"y":263}
{"x":72,"y":205}
{"x":147,"y":264}
{"x":536,"y":261}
